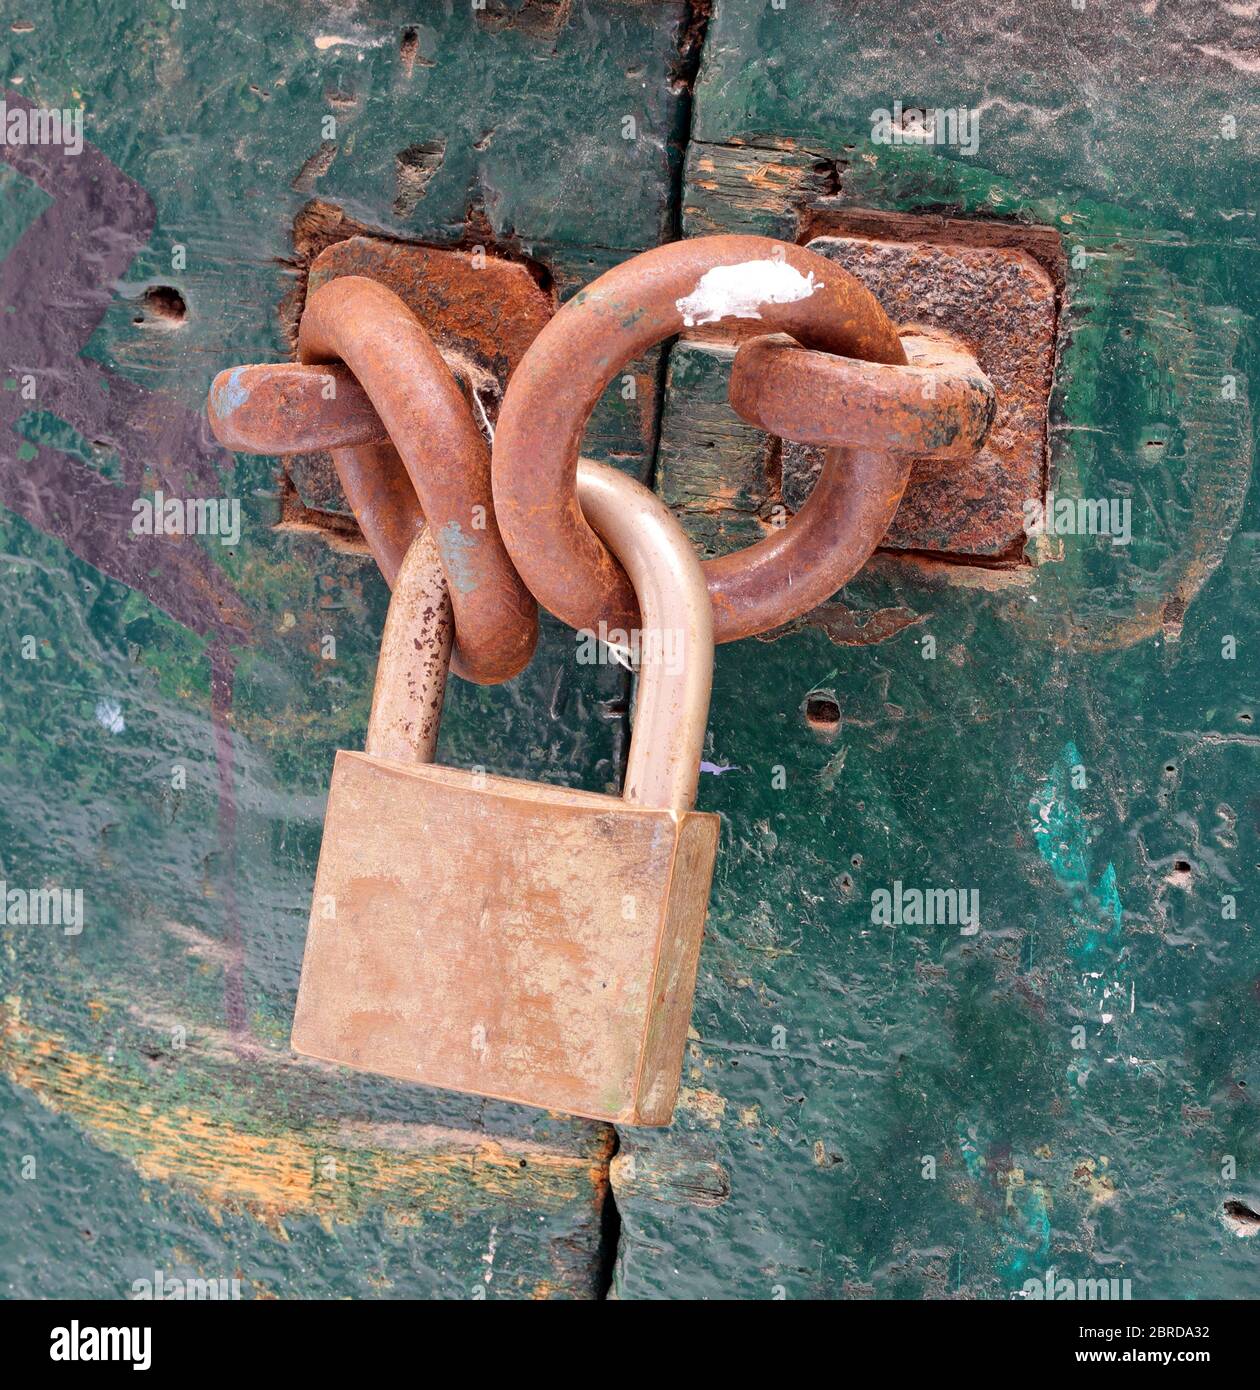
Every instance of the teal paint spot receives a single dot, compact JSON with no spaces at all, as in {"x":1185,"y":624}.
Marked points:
{"x":1026,"y":1239}
{"x":1061,"y":833}
{"x":1034,"y":1208}
{"x":26,"y":451}
{"x":1108,"y":894}
{"x":1058,"y":824}
{"x":1083,"y":945}
{"x":457,"y":553}
{"x":972,"y":1158}
{"x":1013,"y":1271}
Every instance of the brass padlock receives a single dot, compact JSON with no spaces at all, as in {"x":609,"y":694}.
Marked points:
{"x":527,"y":942}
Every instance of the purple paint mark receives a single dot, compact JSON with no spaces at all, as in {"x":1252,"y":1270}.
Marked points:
{"x":717,"y":769}
{"x":55,"y":288}
{"x":222,"y":671}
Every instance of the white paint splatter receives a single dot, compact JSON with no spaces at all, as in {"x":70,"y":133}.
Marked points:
{"x":739,"y":291}
{"x":488,"y":1258}
{"x":109,"y":716}
{"x":326,"y":41}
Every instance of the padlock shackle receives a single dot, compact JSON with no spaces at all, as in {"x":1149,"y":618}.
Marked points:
{"x":676,"y":642}
{"x":415,"y":656}
{"x":675,"y":645}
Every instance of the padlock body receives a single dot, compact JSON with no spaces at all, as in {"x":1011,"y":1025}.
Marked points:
{"x":506,"y":938}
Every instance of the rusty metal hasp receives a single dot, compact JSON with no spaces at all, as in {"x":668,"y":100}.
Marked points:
{"x":876,"y":397}
{"x":406,"y":448}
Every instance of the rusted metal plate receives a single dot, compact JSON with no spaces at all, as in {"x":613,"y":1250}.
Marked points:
{"x":479,"y":308}
{"x":483,"y":310}
{"x":1001,"y":304}
{"x":730,"y":480}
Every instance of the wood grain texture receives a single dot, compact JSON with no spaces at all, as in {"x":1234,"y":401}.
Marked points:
{"x":880,"y":1111}
{"x":150,"y":1078}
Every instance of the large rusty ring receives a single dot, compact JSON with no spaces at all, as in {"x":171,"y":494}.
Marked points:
{"x":939,"y":406}
{"x":633,"y":306}
{"x":361,"y":323}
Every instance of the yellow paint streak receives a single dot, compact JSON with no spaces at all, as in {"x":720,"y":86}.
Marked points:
{"x":328,"y":1171}
{"x":1100,"y":1186}
{"x":772,"y":176}
{"x":706,"y":1105}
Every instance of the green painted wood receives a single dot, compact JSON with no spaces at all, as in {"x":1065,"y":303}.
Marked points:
{"x":167,"y":752}
{"x":908,"y":1111}
{"x":1067,"y":739}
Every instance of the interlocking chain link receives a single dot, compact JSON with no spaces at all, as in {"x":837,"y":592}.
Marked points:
{"x":407,"y":448}
{"x":407,"y":451}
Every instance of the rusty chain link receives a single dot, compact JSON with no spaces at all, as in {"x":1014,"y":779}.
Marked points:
{"x":422,"y":414}
{"x":843,"y":378}
{"x":940,"y":405}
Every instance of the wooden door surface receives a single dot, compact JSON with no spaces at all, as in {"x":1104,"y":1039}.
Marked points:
{"x":1059,"y":1081}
